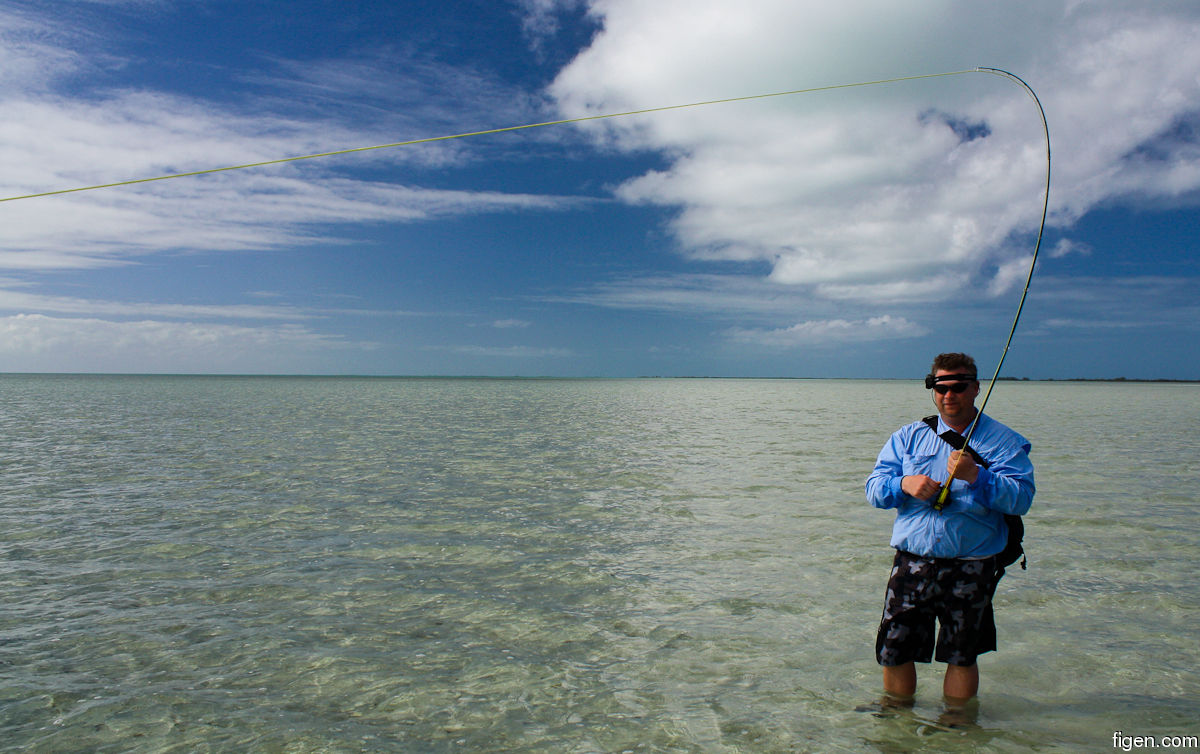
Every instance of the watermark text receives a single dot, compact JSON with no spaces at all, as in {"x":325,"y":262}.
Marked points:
{"x":1129,"y":743}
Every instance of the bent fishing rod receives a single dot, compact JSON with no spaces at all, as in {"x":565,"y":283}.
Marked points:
{"x":940,"y":503}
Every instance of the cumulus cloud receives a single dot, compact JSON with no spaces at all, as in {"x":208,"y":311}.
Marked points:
{"x":875,"y":191}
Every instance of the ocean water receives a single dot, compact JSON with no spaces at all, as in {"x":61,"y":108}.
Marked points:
{"x":231,"y":564}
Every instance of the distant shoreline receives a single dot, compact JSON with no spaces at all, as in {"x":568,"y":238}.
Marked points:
{"x":1139,"y":380}
{"x":1093,"y":379}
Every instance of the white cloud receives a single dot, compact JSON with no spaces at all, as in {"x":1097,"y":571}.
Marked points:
{"x":540,"y":17}
{"x":815,"y":332}
{"x":226,"y":212}
{"x":36,"y":342}
{"x":506,"y":352}
{"x":260,"y":209}
{"x":1009,"y":275}
{"x":1090,"y":324}
{"x":50,"y":142}
{"x":390,"y":95}
{"x":24,"y":301}
{"x":711,"y":295}
{"x":1155,"y":303}
{"x":899,"y":186}
{"x":937,"y":288}
{"x":1066,"y":247}
{"x":742,"y":297}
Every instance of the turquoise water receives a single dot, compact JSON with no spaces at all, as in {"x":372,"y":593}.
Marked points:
{"x":326,"y":565}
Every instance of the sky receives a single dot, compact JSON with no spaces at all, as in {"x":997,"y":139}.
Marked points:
{"x":846,"y":232}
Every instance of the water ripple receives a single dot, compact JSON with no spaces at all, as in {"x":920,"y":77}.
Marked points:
{"x":311,"y":565}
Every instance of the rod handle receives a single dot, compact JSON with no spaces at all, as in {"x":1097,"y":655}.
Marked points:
{"x":943,"y":495}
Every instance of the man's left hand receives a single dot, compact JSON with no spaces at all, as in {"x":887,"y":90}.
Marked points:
{"x":962,"y":466}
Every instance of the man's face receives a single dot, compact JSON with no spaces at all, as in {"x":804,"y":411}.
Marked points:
{"x":955,"y":408}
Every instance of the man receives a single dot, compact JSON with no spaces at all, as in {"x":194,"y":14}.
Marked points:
{"x":945,"y":566}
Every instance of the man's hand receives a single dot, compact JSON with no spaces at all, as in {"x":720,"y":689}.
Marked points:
{"x":919,"y":486}
{"x":962,"y":466}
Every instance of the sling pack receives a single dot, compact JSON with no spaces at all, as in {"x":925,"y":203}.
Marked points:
{"x":1016,"y":528}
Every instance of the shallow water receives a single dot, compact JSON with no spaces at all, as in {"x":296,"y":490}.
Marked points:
{"x":318,"y":565}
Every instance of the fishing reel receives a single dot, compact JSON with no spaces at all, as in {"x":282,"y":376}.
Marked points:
{"x":940,"y":499}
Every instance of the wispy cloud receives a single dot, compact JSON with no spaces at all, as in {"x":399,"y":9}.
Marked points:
{"x":1057,"y":323}
{"x":816,"y":332}
{"x":227,"y":212}
{"x":541,"y":19}
{"x":25,"y":301}
{"x":36,"y":342}
{"x":744,"y":297}
{"x":506,"y":352}
{"x":1152,"y":304}
{"x":1067,"y":247}
{"x":50,"y":142}
{"x":712,"y":295}
{"x":397,"y":94}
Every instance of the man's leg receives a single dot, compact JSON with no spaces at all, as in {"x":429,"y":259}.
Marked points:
{"x":961,"y":683}
{"x":906,"y":630}
{"x":968,"y":627}
{"x":900,"y":680}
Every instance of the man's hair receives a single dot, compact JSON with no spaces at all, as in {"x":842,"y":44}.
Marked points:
{"x":953,"y":362}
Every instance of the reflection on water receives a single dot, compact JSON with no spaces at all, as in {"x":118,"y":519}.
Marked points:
{"x":270,"y":564}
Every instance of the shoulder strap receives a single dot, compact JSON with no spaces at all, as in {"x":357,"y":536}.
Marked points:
{"x":955,"y":440}
{"x":1016,"y":527}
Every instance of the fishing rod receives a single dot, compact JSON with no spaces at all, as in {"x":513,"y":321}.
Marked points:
{"x":945,"y":493}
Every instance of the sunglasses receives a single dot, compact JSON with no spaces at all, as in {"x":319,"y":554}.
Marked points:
{"x":957,"y":387}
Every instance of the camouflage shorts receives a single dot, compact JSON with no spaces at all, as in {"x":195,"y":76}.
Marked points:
{"x":955,"y":593}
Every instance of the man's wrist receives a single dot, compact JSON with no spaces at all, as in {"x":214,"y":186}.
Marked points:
{"x":980,"y":478}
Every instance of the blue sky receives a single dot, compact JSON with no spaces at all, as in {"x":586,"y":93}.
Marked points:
{"x":847,"y":233}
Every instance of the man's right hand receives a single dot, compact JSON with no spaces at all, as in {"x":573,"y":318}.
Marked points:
{"x":920,"y":486}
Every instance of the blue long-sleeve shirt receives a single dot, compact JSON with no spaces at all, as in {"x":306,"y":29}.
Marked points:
{"x":971,"y":525}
